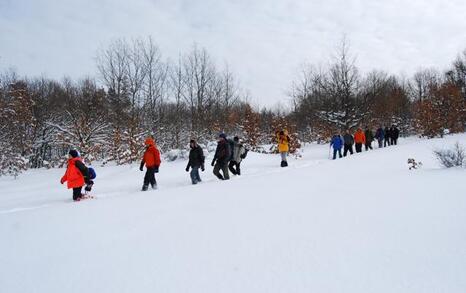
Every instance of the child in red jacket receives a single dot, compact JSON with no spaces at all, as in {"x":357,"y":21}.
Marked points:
{"x":151,"y":159}
{"x":77,"y":175}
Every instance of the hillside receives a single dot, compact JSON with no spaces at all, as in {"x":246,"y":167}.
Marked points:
{"x":360,"y":224}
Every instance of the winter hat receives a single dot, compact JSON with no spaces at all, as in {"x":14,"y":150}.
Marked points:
{"x":222,"y":135}
{"x":236,"y":138}
{"x":192,"y":141}
{"x":73,"y":153}
{"x":149,"y":141}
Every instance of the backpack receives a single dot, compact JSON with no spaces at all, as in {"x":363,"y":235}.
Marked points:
{"x":92,"y":173}
{"x":243,"y":156}
{"x":231,"y":146}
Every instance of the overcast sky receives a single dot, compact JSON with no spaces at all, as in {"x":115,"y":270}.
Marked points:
{"x":263,"y":41}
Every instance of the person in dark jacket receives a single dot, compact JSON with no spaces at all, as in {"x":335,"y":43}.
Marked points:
{"x":77,"y":175}
{"x":348,"y":143}
{"x":337,"y":144}
{"x":395,"y":133}
{"x":369,"y":138}
{"x":238,"y":154}
{"x":387,"y":135}
{"x":196,"y":161}
{"x":380,"y":135}
{"x":221,"y":158}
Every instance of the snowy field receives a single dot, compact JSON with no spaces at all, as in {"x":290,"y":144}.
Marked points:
{"x":361,"y":224}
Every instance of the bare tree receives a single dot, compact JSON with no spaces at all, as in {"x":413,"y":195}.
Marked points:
{"x":199,"y":74}
{"x":112,"y":65}
{"x":422,"y":83}
{"x":155,"y":84}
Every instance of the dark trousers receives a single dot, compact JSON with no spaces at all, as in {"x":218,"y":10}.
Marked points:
{"x":149,"y":178}
{"x":224,"y":167}
{"x":393,"y":141}
{"x":195,"y":177}
{"x":386,"y":142}
{"x":348,"y":148}
{"x":335,"y":151}
{"x":77,"y":192}
{"x":368,"y":146}
{"x":358,"y":147}
{"x":234,"y":167}
{"x":380,"y":141}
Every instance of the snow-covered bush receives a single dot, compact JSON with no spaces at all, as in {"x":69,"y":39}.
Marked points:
{"x":454,"y":157}
{"x":210,"y":147}
{"x":176,"y":154}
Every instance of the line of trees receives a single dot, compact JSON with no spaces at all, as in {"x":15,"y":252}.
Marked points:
{"x":329,"y":99}
{"x":138,"y":93}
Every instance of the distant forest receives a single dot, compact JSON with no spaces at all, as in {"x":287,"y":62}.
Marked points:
{"x":139,"y":93}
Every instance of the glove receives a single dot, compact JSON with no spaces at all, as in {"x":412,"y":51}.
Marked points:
{"x":62,"y":181}
{"x":187,"y":169}
{"x":202,"y":168}
{"x":88,"y":187}
{"x":141,"y":167}
{"x":213,"y":163}
{"x":156,"y":170}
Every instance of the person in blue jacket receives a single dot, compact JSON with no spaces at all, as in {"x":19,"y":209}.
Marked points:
{"x":380,"y":135}
{"x":337,"y":144}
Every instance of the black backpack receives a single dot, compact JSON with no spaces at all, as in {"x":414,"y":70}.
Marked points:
{"x":231,"y":146}
{"x":243,"y":156}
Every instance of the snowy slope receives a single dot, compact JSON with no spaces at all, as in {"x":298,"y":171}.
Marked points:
{"x":360,"y":224}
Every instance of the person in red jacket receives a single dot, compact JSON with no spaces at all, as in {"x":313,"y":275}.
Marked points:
{"x":77,"y":175}
{"x":151,"y":159}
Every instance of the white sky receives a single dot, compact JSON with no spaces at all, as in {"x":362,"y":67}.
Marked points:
{"x":263,"y":41}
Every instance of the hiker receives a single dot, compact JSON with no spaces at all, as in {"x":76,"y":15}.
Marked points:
{"x":283,"y":141}
{"x":369,"y":138}
{"x":76,"y":175}
{"x":239,"y":153}
{"x":380,"y":135}
{"x":196,"y":161}
{"x":348,"y":143}
{"x":387,"y":135}
{"x":152,"y":161}
{"x":395,"y":133}
{"x":359,"y":139}
{"x":222,"y":157}
{"x":337,"y":144}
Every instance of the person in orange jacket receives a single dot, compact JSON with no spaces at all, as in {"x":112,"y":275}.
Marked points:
{"x":359,"y":140}
{"x":152,"y":161}
{"x":76,"y":175}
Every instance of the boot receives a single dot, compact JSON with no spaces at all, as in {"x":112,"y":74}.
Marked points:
{"x":145,"y":187}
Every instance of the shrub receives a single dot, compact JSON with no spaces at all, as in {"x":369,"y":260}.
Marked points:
{"x":454,"y":157}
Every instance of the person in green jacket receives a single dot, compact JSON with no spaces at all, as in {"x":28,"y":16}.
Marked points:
{"x":369,"y":138}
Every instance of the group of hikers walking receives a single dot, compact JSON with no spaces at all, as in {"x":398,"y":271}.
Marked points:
{"x":384,"y":137}
{"x":228,"y":156}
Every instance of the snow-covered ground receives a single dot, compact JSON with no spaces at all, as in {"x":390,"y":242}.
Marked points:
{"x":361,"y":224}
